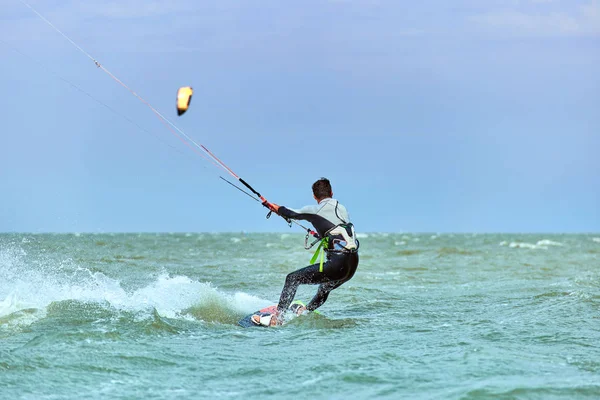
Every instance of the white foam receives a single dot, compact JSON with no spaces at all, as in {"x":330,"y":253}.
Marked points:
{"x":522,"y":245}
{"x":597,"y":240}
{"x":27,"y":285}
{"x":172,"y":295}
{"x":547,"y":242}
{"x":362,"y":235}
{"x":541,"y":244}
{"x":247,"y":303}
{"x":9,"y":305}
{"x":169,"y":296}
{"x":12,"y":305}
{"x":401,"y":243}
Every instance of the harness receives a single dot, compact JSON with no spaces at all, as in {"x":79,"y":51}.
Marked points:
{"x":330,"y":240}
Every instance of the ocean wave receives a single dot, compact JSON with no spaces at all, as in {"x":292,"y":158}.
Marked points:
{"x":547,"y":242}
{"x":177,"y":297}
{"x":29,"y":289}
{"x":597,"y":240}
{"x":14,"y":314}
{"x":540,"y":244}
{"x":408,"y":252}
{"x":453,"y":250}
{"x":523,"y":245}
{"x":319,"y":321}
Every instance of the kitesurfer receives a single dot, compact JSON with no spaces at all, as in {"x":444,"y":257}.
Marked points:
{"x":338,"y":240}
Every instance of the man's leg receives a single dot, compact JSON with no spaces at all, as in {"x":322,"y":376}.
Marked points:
{"x":307,"y":275}
{"x":336,"y":271}
{"x":341,"y":269}
{"x":322,"y":294}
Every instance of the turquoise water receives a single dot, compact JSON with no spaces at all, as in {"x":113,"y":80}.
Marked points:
{"x":153,"y":316}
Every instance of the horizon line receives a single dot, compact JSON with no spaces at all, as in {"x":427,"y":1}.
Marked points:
{"x":296,"y":233}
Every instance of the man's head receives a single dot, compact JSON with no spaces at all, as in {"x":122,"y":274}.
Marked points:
{"x":322,"y":189}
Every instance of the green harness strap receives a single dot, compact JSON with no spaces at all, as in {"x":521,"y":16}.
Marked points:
{"x":321,"y":249}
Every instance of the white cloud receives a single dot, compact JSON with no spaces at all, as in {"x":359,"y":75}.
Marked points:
{"x":579,"y":20}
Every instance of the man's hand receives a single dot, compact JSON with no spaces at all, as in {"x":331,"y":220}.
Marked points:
{"x":271,"y":206}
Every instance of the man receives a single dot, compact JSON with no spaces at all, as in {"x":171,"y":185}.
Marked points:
{"x":332,"y":223}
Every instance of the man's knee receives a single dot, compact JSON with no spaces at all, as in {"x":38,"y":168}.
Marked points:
{"x":292,"y":279}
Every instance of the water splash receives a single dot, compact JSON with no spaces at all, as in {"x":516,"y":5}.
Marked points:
{"x":30,"y":285}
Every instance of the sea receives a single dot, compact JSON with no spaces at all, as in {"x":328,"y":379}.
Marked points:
{"x":427,"y":316}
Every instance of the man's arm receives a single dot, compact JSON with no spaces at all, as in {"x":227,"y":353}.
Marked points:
{"x":308,"y":213}
{"x":305,"y":213}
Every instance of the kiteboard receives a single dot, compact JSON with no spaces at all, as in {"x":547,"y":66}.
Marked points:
{"x":246,"y":322}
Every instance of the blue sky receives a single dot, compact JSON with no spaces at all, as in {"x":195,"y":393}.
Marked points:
{"x":462,"y":116}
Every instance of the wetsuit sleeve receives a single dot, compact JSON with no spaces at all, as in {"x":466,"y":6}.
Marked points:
{"x":308,"y":213}
{"x":293,"y":214}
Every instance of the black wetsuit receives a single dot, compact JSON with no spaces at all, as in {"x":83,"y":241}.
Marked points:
{"x":329,"y":219}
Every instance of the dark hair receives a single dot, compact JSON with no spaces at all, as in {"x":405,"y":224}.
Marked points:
{"x":322,"y":189}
